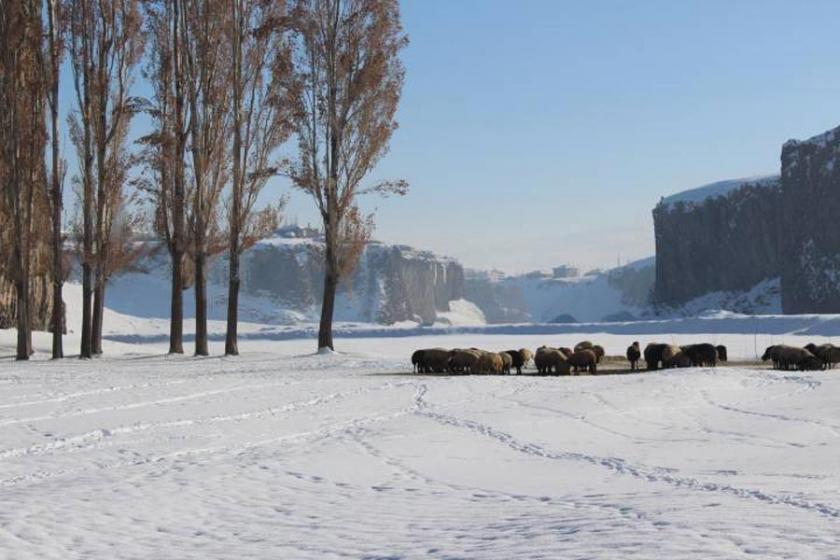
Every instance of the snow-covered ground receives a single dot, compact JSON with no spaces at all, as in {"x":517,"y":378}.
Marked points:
{"x":281,"y":453}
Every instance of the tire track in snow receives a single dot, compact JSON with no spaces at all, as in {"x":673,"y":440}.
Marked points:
{"x":616,"y":464}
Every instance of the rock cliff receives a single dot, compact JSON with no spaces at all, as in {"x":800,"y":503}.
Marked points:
{"x":810,"y":265}
{"x":722,"y":237}
{"x":391,"y":283}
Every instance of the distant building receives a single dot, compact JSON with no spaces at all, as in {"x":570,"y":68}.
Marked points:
{"x":565,"y":271}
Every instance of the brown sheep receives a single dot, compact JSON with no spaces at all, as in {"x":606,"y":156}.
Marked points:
{"x":463,"y":361}
{"x":772,"y":353}
{"x":599,"y":352}
{"x":547,"y":359}
{"x":542,"y":360}
{"x":791,"y":356}
{"x":583,"y":345}
{"x":701,"y":354}
{"x":562,"y":366}
{"x":566,"y":351}
{"x":507,"y":362}
{"x":584,"y":359}
{"x":497,"y":363}
{"x":811,"y":363}
{"x":527,"y":356}
{"x":828,"y":353}
{"x":419,"y":359}
{"x":653,"y":354}
{"x":519,"y":358}
{"x":668,"y":354}
{"x":436,"y":360}
{"x":490,"y":362}
{"x":633,"y":354}
{"x":681,"y":360}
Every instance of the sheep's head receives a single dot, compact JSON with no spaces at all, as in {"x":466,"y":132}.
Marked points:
{"x":767,"y":354}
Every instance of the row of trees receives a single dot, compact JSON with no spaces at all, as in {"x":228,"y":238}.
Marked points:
{"x":232,"y":82}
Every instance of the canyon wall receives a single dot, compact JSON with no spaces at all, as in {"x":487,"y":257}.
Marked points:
{"x":810,"y":264}
{"x":725,"y":241}
{"x":391,"y":283}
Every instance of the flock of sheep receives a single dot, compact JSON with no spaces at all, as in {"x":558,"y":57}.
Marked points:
{"x":586,"y":356}
{"x":811,"y":357}
{"x":559,"y":361}
{"x":670,"y":355}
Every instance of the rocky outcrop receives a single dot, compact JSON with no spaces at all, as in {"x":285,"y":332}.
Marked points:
{"x":810,"y":262}
{"x":391,"y":283}
{"x":748,"y":234}
{"x":720,"y":238}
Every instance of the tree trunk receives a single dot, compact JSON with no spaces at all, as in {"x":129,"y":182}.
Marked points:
{"x":24,"y":334}
{"x":24,"y":325}
{"x":201,"y":304}
{"x":176,"y":314}
{"x":98,"y":312}
{"x":87,"y":299}
{"x":231,"y":346}
{"x":325,"y":336}
{"x":57,"y":320}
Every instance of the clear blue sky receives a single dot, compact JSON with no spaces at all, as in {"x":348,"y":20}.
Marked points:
{"x":540,"y":132}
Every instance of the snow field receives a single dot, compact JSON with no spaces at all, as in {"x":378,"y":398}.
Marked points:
{"x":280,"y":453}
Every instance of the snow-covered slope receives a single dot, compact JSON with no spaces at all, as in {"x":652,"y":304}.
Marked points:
{"x":762,"y":299}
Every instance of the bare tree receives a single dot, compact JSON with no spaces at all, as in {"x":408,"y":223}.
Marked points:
{"x":347,"y":57}
{"x":105,"y":45}
{"x":23,"y":142}
{"x":166,"y":149}
{"x":207,"y":78}
{"x":263,"y":91}
{"x":117,"y":51}
{"x":81,"y":28}
{"x":55,"y":190}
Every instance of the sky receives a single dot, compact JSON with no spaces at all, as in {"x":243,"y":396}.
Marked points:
{"x":542,"y":132}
